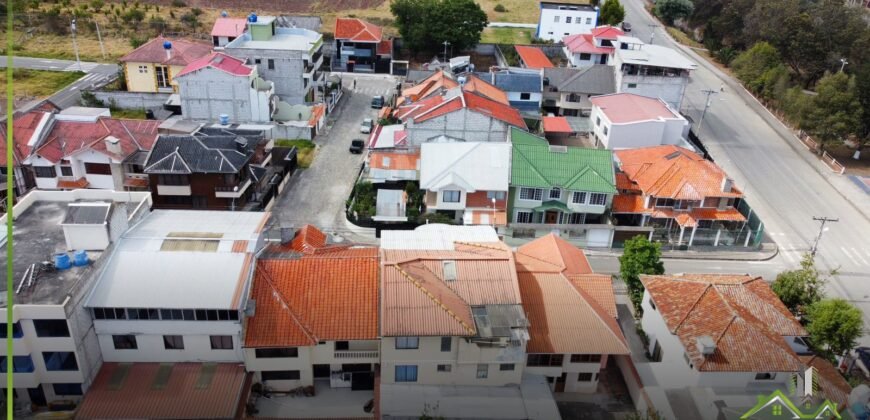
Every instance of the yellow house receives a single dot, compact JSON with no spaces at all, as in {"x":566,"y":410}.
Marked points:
{"x":151,"y":67}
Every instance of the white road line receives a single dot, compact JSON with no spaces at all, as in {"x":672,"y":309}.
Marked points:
{"x":858,"y":255}
{"x":787,"y":255}
{"x":846,"y":253}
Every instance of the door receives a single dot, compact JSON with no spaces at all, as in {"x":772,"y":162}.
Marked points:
{"x":551,"y":217}
{"x":162,"y":73}
{"x":362,"y":381}
{"x":560,"y":382}
{"x":603,"y":59}
{"x":37,"y":396}
{"x":321,"y":371}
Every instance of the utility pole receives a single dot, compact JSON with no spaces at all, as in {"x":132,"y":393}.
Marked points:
{"x":75,"y":45}
{"x":446,"y":43}
{"x":821,"y":231}
{"x":843,"y":63}
{"x":652,"y":27}
{"x":709,"y":93}
{"x":100,"y":38}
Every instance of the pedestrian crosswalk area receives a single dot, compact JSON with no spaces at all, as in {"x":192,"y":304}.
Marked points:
{"x":85,"y":67}
{"x":850,"y":256}
{"x":373,"y":91}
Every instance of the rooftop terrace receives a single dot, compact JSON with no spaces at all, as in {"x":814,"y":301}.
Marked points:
{"x":289,"y":39}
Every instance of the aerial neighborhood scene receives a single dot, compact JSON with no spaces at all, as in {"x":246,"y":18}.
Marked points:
{"x":436,"y":209}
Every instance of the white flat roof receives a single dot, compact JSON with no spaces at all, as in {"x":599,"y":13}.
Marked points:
{"x":436,"y":236}
{"x":290,"y":39}
{"x":656,"y":55}
{"x":470,"y":166}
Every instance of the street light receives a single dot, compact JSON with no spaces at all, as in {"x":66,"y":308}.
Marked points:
{"x":843,"y":63}
{"x":72,"y":27}
{"x":446,"y":43}
{"x":493,"y":212}
{"x":235,"y":190}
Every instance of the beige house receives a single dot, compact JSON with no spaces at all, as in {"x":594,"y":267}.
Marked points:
{"x":152,"y":66}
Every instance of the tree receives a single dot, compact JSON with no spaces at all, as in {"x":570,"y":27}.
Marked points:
{"x":764,"y":20}
{"x":799,"y":289}
{"x":671,"y":10}
{"x":612,"y":12}
{"x":191,"y":19}
{"x":426,"y":24}
{"x":752,"y":65}
{"x":862,"y":90}
{"x":834,"y":326}
{"x":835,"y":113}
{"x":640,"y":256}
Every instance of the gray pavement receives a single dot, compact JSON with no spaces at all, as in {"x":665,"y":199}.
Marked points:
{"x":97,"y":74}
{"x":783,"y":182}
{"x":317,"y":195}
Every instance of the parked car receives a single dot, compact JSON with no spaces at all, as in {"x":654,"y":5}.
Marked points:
{"x":356,"y":146}
{"x":366,"y":126}
{"x":626,"y":27}
{"x":378,"y":102}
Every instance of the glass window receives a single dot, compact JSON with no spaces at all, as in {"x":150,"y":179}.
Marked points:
{"x":67,"y":389}
{"x":578,"y":197}
{"x":585,"y":56}
{"x":173,"y":342}
{"x":187,"y":314}
{"x":66,"y":170}
{"x":200,"y":315}
{"x":271,"y":63}
{"x":524,"y":217}
{"x":44,"y":171}
{"x":588,"y":21}
{"x":632,"y":85}
{"x":568,"y":19}
{"x":531,"y":194}
{"x":555,"y":194}
{"x":482,"y":371}
{"x":585,"y":358}
{"x":143,"y":69}
{"x":556,"y":19}
{"x":597,"y":120}
{"x":98,"y":168}
{"x":445,"y":368}
{"x":544,"y":360}
{"x":51,"y":327}
{"x":498,"y":195}
{"x":576,"y":218}
{"x":597,"y":199}
{"x":525,"y":96}
{"x":450,"y":196}
{"x":221,"y":342}
{"x":584,"y":377}
{"x":20,"y":364}
{"x":446,"y":343}
{"x":404,"y":343}
{"x":605,"y":130}
{"x":16,"y":330}
{"x":60,"y":360}
{"x":125,"y":342}
{"x":276,"y":353}
{"x":406,"y":373}
{"x":342,"y":345}
{"x":280,"y":375}
{"x":506,"y":367}
{"x":765,"y":376}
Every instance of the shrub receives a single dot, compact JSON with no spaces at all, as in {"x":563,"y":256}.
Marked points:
{"x":178,"y":3}
{"x":499,"y":8}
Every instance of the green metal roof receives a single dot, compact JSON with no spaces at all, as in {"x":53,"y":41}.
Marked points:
{"x":574,"y":168}
{"x":553,"y":205}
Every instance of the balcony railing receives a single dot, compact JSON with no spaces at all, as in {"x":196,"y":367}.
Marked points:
{"x":356,"y":354}
{"x":234,"y":191}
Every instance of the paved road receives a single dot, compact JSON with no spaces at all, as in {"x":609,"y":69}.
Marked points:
{"x":767,"y":269}
{"x":782,"y":182}
{"x":97,"y":73}
{"x":317,"y":195}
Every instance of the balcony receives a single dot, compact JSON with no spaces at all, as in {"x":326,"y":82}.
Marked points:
{"x":183,"y":190}
{"x":136,"y":181}
{"x":235,"y":191}
{"x":356,"y":354}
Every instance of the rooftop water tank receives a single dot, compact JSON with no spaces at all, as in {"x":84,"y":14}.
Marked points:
{"x":61,"y":261}
{"x":224,"y":13}
{"x":80,"y":258}
{"x":167,"y":45}
{"x":224,"y":119}
{"x":252,"y":18}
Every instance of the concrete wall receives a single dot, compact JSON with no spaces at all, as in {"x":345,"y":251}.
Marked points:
{"x":463,"y":124}
{"x":362,"y":351}
{"x":577,"y":60}
{"x":638,"y":134}
{"x":566,"y":197}
{"x":149,"y":336}
{"x":553,"y":24}
{"x":208,"y":93}
{"x":572,"y":371}
{"x":669,"y":89}
{"x":132,"y":100}
{"x":287,"y":75}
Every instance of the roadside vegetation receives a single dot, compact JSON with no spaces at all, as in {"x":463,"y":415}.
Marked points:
{"x":640,"y":256}
{"x":305,"y":150}
{"x":37,"y":84}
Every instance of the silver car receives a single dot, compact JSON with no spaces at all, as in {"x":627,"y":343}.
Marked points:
{"x":366,"y":126}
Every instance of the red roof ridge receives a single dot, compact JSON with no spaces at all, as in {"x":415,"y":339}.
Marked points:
{"x":306,"y":329}
{"x":432,"y":297}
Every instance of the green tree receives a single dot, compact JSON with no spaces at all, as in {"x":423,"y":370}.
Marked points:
{"x":836,"y":112}
{"x":763,"y":22}
{"x":426,"y":24}
{"x":752,"y":65}
{"x":799,"y":289}
{"x":612,"y":12}
{"x":834,"y":325}
{"x":671,"y":10}
{"x":640,"y":256}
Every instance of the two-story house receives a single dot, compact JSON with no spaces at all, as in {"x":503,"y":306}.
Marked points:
{"x":568,"y":90}
{"x":29,"y":129}
{"x":651,"y":70}
{"x":86,"y":148}
{"x":554,"y":186}
{"x":591,"y":47}
{"x":316,"y":318}
{"x":290,"y":58}
{"x":361,"y":46}
{"x":562,"y":18}
{"x":573,"y":330}
{"x":217,"y":172}
{"x":688,"y":199}
{"x":152,"y":67}
{"x":523,"y":88}
{"x":629,"y":121}
{"x":220,"y":85}
{"x":467,"y":181}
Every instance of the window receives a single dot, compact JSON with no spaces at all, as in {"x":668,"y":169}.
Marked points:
{"x":125,"y":342}
{"x":605,"y":130}
{"x":110,"y":313}
{"x":66,"y":170}
{"x":445,"y":368}
{"x":98,"y":168}
{"x":16,"y":330}
{"x":171,"y":314}
{"x":506,"y":367}
{"x":585,"y":358}
{"x":277,"y":353}
{"x":776,"y":410}
{"x":450,"y":196}
{"x":67,"y":389}
{"x":162,"y":74}
{"x":271,"y":64}
{"x":544,"y":360}
{"x":597,"y":199}
{"x":341,"y":345}
{"x":257,"y":61}
{"x":20,"y":364}
{"x":60,"y":360}
{"x":765,"y":376}
{"x":576,"y":218}
{"x":446,"y":343}
{"x":51,"y":328}
{"x":498,"y":195}
{"x":555,"y":194}
{"x":556,"y":19}
{"x":584,"y":377}
{"x":579,"y":197}
{"x":632,"y":85}
{"x":652,"y":304}
{"x":525,"y":96}
{"x":664,"y":202}
{"x":482,"y":371}
{"x":170,"y":179}
{"x":531,"y":194}
{"x":221,"y":342}
{"x":588,"y":21}
{"x":524,"y":217}
{"x":568,"y":19}
{"x":585,"y":56}
{"x":143,"y":69}
{"x":280,"y":375}
{"x":405,"y":343}
{"x":598,"y":121}
{"x":44,"y":172}
{"x":406,"y":373}
{"x":173,"y":342}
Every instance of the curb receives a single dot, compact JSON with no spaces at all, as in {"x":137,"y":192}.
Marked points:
{"x":699,"y":255}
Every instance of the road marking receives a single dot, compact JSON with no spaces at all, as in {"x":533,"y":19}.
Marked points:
{"x":858,"y":255}
{"x":846,"y":253}
{"x":788,"y":256}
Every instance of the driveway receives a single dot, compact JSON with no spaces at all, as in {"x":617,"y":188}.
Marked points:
{"x":317,"y":195}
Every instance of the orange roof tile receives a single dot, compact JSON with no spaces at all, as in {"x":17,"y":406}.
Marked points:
{"x":629,"y":204}
{"x":832,"y":384}
{"x":741,"y":314}
{"x":136,"y":182}
{"x":308,"y":239}
{"x":552,"y":254}
{"x":397,"y":161}
{"x":74,"y":184}
{"x":481,"y":87}
{"x":557,"y":125}
{"x":599,"y":287}
{"x":357,"y":30}
{"x":429,"y":86}
{"x":182,"y":53}
{"x":533,"y":57}
{"x":625,"y":184}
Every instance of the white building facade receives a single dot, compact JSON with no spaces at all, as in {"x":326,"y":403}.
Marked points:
{"x":562,"y":19}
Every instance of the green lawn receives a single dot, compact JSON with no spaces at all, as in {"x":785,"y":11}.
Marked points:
{"x":305,"y":150}
{"x":39,"y":83}
{"x":130,"y":114}
{"x":507,"y":36}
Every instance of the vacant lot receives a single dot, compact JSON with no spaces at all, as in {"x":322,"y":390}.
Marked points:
{"x":507,"y":36}
{"x":61,"y":47}
{"x":305,"y":150}
{"x":37,"y":84}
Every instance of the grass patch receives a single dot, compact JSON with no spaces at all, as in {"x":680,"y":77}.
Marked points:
{"x":60,"y":47}
{"x":683,"y":38}
{"x":129,"y":114}
{"x":305,"y":150}
{"x":39,"y":83}
{"x":506,"y":36}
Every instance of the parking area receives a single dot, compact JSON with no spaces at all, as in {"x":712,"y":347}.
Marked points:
{"x":317,"y":195}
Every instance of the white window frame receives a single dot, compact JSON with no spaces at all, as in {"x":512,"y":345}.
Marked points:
{"x":143,"y":69}
{"x":552,"y":190}
{"x":536,"y":192}
{"x":406,"y":343}
{"x":482,"y":371}
{"x":458,"y":196}
{"x":584,"y":197}
{"x":593,"y":196}
{"x":555,"y":19}
{"x":588,"y":21}
{"x":530,"y":213}
{"x":568,"y":19}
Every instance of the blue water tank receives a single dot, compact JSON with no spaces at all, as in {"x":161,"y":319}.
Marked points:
{"x":61,"y":261}
{"x":80,"y":258}
{"x":224,"y":13}
{"x":252,"y":18}
{"x":167,"y":45}
{"x":224,"y":119}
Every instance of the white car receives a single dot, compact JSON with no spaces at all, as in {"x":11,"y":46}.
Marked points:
{"x":366,"y":126}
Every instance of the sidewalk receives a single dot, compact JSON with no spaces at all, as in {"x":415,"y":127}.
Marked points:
{"x":767,"y":252}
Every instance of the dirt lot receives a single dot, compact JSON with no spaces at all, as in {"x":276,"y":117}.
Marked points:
{"x":843,"y":154}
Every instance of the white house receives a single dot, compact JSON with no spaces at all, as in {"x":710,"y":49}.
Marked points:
{"x":560,"y":19}
{"x":591,"y":47}
{"x":651,"y":70}
{"x":628,"y":121}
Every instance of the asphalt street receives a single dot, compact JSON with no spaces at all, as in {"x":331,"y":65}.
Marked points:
{"x":97,"y":73}
{"x":781,"y":181}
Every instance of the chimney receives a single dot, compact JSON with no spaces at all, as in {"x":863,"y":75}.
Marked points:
{"x":113,"y":145}
{"x":241,"y":144}
{"x":727,"y":183}
{"x":705,"y":345}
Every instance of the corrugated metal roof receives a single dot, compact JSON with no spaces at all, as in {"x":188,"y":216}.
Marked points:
{"x":475,"y":166}
{"x":436,"y":237}
{"x":578,"y":168}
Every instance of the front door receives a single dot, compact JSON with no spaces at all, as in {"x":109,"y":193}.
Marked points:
{"x":560,"y":382}
{"x":37,"y":396}
{"x":551,"y":217}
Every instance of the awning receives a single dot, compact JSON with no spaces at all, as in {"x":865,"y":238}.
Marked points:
{"x":552,"y":205}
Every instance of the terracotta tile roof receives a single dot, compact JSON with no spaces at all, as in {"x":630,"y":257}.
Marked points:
{"x":397,"y":161}
{"x":481,"y":87}
{"x":832,"y":384}
{"x":607,"y":32}
{"x":229,"y":27}
{"x":192,"y":391}
{"x":583,"y":43}
{"x":357,"y":30}
{"x":533,"y":57}
{"x":495,"y":109}
{"x":73,"y":185}
{"x":428,"y":86}
{"x":218,"y":60}
{"x":325,"y":296}
{"x":308,"y":240}
{"x":183,"y":52}
{"x":417,"y":299}
{"x":25,"y":126}
{"x":69,"y":137}
{"x":557,"y":125}
{"x":136,"y":182}
{"x":673,"y":172}
{"x":740,"y":313}
{"x":623,"y":183}
{"x":552,"y":254}
{"x":385,"y":47}
{"x":629,"y":204}
{"x":438,"y":105}
{"x":625,"y":108}
{"x":599,"y":287}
